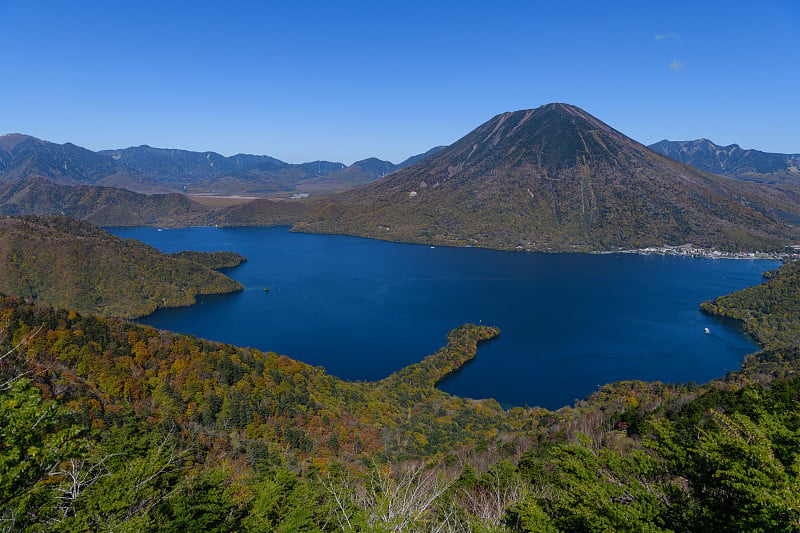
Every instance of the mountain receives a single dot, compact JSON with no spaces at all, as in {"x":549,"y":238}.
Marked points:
{"x":419,"y":157}
{"x":185,"y":167}
{"x":22,"y":156}
{"x":557,"y":178}
{"x":266,"y":179}
{"x":151,"y":170}
{"x":210,"y":172}
{"x":733,"y":160}
{"x":76,"y":265}
{"x":359,"y":173}
{"x":104,"y":206}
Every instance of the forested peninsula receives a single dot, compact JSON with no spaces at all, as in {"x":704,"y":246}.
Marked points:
{"x":108,"y":425}
{"x":76,"y":265}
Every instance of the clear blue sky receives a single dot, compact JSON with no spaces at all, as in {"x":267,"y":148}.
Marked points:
{"x":343,"y":80}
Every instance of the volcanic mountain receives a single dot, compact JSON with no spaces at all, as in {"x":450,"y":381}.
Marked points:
{"x":557,"y":178}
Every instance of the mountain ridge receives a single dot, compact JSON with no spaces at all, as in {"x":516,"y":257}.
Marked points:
{"x":733,"y":160}
{"x":151,"y":170}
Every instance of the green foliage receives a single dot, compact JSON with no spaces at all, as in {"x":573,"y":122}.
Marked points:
{"x":207,"y":502}
{"x":744,"y":484}
{"x":770,"y":311}
{"x":739,"y":458}
{"x":597,"y":490}
{"x":282,"y":502}
{"x":33,"y":438}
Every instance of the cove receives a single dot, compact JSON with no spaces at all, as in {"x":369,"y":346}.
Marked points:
{"x":569,"y":322}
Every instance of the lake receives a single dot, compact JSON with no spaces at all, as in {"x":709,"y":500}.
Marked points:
{"x":569,"y":322}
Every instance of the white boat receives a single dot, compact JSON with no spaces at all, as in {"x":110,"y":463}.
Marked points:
{"x":708,"y":331}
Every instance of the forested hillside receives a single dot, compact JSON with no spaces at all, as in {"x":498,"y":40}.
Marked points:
{"x":78,"y":266}
{"x":107,"y":425}
{"x":104,"y":206}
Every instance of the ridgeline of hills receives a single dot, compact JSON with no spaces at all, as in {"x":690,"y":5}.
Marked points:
{"x":555,"y":178}
{"x":76,"y":265}
{"x":103,"y":206}
{"x":733,"y":160}
{"x":147,"y":169}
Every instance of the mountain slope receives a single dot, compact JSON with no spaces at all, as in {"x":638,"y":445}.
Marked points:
{"x":103,"y":206}
{"x":184,"y":166}
{"x":75,"y":265}
{"x":359,"y":173}
{"x":149,"y":170}
{"x":22,"y":156}
{"x":733,"y":160}
{"x":557,"y":178}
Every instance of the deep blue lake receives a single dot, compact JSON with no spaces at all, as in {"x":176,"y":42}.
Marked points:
{"x":569,"y":322}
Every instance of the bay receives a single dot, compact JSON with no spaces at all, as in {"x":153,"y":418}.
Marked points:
{"x":569,"y":322}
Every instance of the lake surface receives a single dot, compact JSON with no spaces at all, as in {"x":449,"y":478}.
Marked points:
{"x":569,"y":322}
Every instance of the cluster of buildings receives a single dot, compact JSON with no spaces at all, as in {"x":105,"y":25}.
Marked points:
{"x":690,"y":250}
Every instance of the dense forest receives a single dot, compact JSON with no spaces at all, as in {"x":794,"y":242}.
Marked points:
{"x":76,"y":265}
{"x":213,"y":260}
{"x":108,"y":425}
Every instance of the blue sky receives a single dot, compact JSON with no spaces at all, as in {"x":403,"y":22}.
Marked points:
{"x":347,"y":80}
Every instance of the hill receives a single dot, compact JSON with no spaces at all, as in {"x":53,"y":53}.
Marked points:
{"x":557,"y":178}
{"x":103,"y":206}
{"x":78,"y":266}
{"x":733,"y":160}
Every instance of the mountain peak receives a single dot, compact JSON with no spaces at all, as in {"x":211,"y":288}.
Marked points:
{"x":9,"y":141}
{"x":549,"y":137}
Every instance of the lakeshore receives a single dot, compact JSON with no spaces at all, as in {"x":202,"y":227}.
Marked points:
{"x":689,"y":250}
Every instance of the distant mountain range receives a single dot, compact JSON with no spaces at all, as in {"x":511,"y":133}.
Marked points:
{"x":552,"y":178}
{"x":557,"y":178}
{"x":147,"y":169}
{"x":733,"y":160}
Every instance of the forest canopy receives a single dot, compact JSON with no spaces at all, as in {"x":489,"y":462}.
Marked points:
{"x":75,"y":265}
